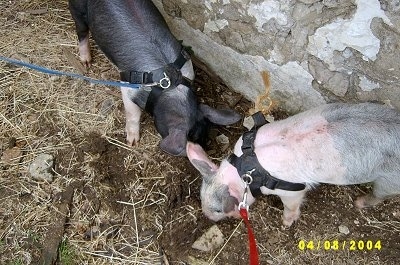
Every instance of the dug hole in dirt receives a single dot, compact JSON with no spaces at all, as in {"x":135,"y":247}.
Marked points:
{"x":108,"y":203}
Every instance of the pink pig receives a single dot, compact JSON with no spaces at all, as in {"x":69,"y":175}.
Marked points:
{"x":337,"y":143}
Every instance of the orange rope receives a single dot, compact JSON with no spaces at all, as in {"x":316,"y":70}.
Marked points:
{"x":264,"y":103}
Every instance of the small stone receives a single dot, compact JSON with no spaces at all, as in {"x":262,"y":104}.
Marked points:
{"x":222,"y":139}
{"x":388,"y":103}
{"x":41,"y":167}
{"x":106,"y":107}
{"x":344,"y":229}
{"x":210,"y":240}
{"x":356,"y":222}
{"x":248,"y":122}
{"x":270,"y":118}
{"x":22,"y":16}
{"x":54,"y":78}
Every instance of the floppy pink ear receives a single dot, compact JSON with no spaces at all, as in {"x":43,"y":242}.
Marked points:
{"x":199,"y":159}
{"x":234,"y":191}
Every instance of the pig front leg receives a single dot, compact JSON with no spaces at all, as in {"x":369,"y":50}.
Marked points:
{"x":292,"y":203}
{"x":84,"y":52}
{"x":132,"y":115}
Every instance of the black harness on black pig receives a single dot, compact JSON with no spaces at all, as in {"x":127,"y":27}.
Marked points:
{"x":168,"y":76}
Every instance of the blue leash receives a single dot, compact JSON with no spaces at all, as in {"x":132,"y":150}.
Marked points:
{"x":73,"y":75}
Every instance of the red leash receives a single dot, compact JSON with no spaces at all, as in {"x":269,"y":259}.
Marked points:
{"x":252,"y":240}
{"x":243,"y":210}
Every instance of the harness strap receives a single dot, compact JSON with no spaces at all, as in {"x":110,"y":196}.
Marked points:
{"x":248,"y":162}
{"x":152,"y":99}
{"x":135,"y":77}
{"x":171,"y":71}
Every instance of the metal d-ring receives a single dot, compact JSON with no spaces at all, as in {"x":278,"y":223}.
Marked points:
{"x":247,"y":178}
{"x":163,"y":80}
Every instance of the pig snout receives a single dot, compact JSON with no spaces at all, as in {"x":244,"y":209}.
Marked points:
{"x":179,"y":118}
{"x":217,"y":216}
{"x":218,"y":203}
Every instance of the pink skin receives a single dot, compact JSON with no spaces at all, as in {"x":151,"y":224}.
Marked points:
{"x":84,"y":52}
{"x":132,"y":116}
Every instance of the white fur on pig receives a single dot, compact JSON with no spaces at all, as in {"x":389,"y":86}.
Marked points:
{"x":335,"y":143}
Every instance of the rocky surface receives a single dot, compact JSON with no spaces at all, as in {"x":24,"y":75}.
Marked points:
{"x":315,"y":51}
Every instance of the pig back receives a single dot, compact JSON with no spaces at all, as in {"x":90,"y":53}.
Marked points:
{"x":334,"y":143}
{"x":367,"y":137}
{"x":132,"y":34}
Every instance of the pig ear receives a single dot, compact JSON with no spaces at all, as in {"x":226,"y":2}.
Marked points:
{"x":220,"y":117}
{"x":229,"y":204}
{"x":174,"y":143}
{"x":200,"y":160}
{"x":234,"y":192}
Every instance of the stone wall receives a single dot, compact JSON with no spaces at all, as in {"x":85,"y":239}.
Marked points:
{"x":315,"y":51}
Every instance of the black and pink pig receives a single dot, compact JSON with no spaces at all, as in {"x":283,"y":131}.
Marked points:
{"x":336,"y":143}
{"x":135,"y":37}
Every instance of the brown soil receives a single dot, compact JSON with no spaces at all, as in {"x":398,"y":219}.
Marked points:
{"x":111,"y":204}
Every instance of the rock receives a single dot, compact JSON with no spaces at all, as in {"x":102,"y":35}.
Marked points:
{"x":239,"y":39}
{"x":344,"y":229}
{"x":41,"y":168}
{"x":248,"y":122}
{"x":54,"y":78}
{"x":106,"y":107}
{"x":270,"y":118}
{"x":222,"y":139}
{"x":210,"y":240}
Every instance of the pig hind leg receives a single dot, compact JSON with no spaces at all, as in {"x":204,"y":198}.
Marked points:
{"x":291,"y":211}
{"x":382,"y":190}
{"x":78,"y":11}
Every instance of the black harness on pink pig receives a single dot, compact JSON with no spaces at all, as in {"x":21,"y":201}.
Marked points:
{"x":248,"y":164}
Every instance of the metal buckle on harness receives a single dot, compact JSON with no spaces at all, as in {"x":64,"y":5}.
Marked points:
{"x":165,"y":82}
{"x":247,"y":179}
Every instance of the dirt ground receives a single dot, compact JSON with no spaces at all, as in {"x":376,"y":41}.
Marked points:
{"x":111,"y":204}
